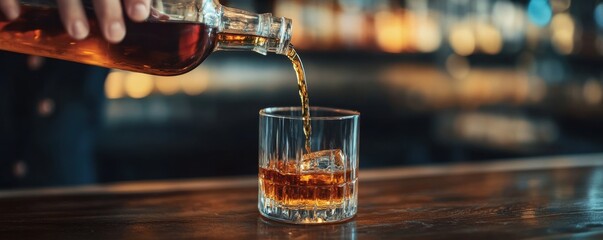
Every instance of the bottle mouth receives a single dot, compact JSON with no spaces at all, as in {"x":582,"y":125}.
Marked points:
{"x":265,"y":33}
{"x":278,"y":29}
{"x":284,"y":36}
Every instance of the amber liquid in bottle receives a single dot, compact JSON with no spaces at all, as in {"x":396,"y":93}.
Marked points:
{"x":153,"y":47}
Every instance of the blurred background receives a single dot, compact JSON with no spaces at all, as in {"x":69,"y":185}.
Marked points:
{"x":435,"y":81}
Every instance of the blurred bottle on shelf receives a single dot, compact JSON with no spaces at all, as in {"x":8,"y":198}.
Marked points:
{"x":507,"y":131}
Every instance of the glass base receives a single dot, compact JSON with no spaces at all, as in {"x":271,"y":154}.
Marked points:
{"x":274,"y":211}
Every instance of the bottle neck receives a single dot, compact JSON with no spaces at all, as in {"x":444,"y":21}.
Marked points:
{"x":239,"y":30}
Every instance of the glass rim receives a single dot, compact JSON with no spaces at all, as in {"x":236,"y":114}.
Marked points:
{"x":345,"y":113}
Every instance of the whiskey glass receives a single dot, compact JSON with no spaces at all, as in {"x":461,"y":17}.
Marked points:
{"x":301,"y":187}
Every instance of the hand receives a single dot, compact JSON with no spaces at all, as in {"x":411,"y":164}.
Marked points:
{"x":108,"y":13}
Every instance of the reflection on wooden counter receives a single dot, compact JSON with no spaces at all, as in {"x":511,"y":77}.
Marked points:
{"x":547,"y":197}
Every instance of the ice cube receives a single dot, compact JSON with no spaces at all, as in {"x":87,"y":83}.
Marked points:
{"x":324,"y":160}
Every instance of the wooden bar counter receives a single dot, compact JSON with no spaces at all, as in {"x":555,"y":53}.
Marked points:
{"x":553,"y":197}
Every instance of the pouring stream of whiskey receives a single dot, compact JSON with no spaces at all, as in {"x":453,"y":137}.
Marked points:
{"x":250,"y":40}
{"x":303,"y":93}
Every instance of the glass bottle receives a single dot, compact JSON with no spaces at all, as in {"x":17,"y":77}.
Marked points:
{"x":176,"y":38}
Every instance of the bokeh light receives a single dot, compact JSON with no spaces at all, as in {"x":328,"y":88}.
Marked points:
{"x":138,"y":85}
{"x":540,"y":12}
{"x":428,"y":37}
{"x":114,"y":85}
{"x":489,"y":38}
{"x":391,"y":31}
{"x":457,"y":66}
{"x":167,"y":85}
{"x":563,"y":28}
{"x":195,"y":82}
{"x":592,"y":92}
{"x":598,"y":15}
{"x":462,"y":40}
{"x":560,"y":5}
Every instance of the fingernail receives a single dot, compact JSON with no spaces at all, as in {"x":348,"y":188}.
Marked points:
{"x":12,"y":13}
{"x":116,"y":32}
{"x":79,"y":30}
{"x":139,"y":11}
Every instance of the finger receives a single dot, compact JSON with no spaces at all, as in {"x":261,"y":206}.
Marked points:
{"x":10,"y":8}
{"x":74,"y":18}
{"x":138,"y":10}
{"x":110,"y":19}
